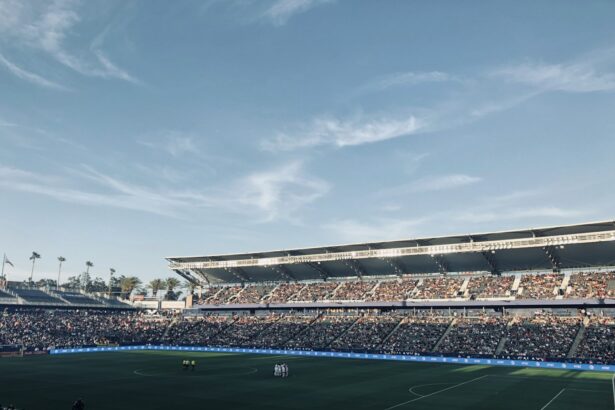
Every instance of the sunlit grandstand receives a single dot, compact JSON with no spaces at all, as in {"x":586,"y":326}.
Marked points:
{"x":539,"y":298}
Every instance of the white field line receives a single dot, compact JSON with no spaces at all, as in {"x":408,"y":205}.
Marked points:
{"x":613,"y":382}
{"x":411,"y":389}
{"x":553,"y":399}
{"x":436,"y":392}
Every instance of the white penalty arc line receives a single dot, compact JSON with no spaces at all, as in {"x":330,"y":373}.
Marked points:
{"x":553,"y":399}
{"x":436,"y":392}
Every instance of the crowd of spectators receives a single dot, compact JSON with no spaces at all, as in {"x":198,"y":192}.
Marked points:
{"x":416,"y":335}
{"x":282,"y":331}
{"x":197,"y":331}
{"x":316,"y":291}
{"x":540,"y":286}
{"x":438,"y":288}
{"x":225,"y":294}
{"x":490,"y":286}
{"x":541,"y":336}
{"x":367,"y":334}
{"x":252,"y":293}
{"x":474,"y":336}
{"x":393,"y":290}
{"x":284,"y":292}
{"x":532,"y":286}
{"x":598,"y":343}
{"x":591,"y":285}
{"x":322,"y":332}
{"x":43,"y":329}
{"x":353,"y":290}
{"x":243,"y":330}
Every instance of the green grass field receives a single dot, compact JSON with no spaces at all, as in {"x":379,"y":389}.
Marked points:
{"x":155,"y":380}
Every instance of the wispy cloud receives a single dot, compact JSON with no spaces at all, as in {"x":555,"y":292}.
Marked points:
{"x":175,"y":143}
{"x":340,"y":133}
{"x":46,"y":27}
{"x":110,"y":193}
{"x":265,"y":196}
{"x":581,"y":77}
{"x":444,"y":182}
{"x":431,"y":184}
{"x":280,"y":192}
{"x":282,"y":10}
{"x":407,"y":79}
{"x":29,"y":76}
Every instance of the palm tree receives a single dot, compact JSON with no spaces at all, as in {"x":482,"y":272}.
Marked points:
{"x":172,"y":283}
{"x":33,"y":258}
{"x":190,"y":286}
{"x":128,"y":284}
{"x":62,"y":259}
{"x":86,"y":275}
{"x":111,"y":273}
{"x":155,"y":285}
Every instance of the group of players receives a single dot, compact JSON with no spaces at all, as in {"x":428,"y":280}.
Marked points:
{"x":280,"y":370}
{"x":188,"y":364}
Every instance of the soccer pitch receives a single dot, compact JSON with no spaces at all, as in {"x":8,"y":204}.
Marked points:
{"x":156,"y":380}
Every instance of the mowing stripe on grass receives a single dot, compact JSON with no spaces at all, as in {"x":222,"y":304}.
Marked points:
{"x":436,"y":392}
{"x":613,"y":382}
{"x":553,"y":399}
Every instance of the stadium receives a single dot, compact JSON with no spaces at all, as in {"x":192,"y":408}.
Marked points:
{"x":307,"y":204}
{"x":472,"y":320}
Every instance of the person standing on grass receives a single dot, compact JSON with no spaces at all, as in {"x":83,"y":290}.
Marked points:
{"x":193,"y":365}
{"x":79,"y":405}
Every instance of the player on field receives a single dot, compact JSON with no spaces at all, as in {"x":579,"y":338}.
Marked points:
{"x":192,"y":365}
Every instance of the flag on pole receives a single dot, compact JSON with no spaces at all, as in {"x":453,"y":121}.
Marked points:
{"x":8,"y":262}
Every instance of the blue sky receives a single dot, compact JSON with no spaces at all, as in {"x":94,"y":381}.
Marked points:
{"x":130,"y":131}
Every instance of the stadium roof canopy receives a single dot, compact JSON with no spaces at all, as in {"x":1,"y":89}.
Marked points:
{"x":559,"y":247}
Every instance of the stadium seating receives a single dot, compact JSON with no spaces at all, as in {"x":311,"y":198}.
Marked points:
{"x":75,"y":298}
{"x":541,"y":336}
{"x":542,"y":286}
{"x":6,"y":297}
{"x":37,"y":296}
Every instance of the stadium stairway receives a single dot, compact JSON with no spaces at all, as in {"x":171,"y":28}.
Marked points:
{"x":236,"y":295}
{"x":305,"y":328}
{"x":564,"y":285}
{"x":446,"y":332}
{"x":373,"y":291}
{"x":169,"y":326}
{"x":266,"y":297}
{"x":414,"y":291}
{"x":464,"y":286}
{"x":516,"y":284}
{"x":220,"y":289}
{"x":297,"y":293}
{"x":577,"y":340}
{"x":391,"y":333}
{"x":344,"y":332}
{"x":332,"y":294}
{"x":504,"y":339}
